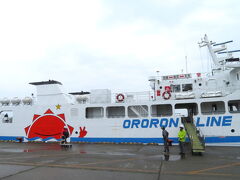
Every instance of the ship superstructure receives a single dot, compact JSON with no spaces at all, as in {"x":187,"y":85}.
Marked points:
{"x":207,"y":104}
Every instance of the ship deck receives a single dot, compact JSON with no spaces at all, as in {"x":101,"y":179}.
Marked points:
{"x":25,"y":161}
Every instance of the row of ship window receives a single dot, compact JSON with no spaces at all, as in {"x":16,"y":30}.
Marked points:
{"x":157,"y":110}
{"x":160,"y":110}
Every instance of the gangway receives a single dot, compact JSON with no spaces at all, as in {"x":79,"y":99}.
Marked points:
{"x":195,"y":136}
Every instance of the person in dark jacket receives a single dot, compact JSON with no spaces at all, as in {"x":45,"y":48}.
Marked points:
{"x":165,"y":140}
{"x":65,"y":135}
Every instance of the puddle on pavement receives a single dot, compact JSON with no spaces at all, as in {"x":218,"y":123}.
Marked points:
{"x":120,"y":154}
{"x":168,"y":157}
{"x":172,"y":157}
{"x":124,"y":152}
{"x":12,"y":150}
{"x":107,"y":153}
{"x":31,"y":149}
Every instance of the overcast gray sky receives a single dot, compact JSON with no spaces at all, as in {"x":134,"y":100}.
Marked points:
{"x":114,"y":44}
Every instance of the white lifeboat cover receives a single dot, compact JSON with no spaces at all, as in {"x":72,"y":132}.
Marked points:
{"x":211,"y":94}
{"x":15,"y":100}
{"x":185,"y":95}
{"x":27,"y":100}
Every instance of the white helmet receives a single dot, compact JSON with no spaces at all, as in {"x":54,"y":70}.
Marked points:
{"x":181,"y":126}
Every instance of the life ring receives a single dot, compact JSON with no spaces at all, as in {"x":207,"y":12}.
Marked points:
{"x":120,"y":97}
{"x":166,"y":95}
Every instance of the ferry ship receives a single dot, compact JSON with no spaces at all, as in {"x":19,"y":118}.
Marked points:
{"x":210,"y":102}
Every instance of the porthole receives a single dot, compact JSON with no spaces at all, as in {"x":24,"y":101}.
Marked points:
{"x":232,"y":130}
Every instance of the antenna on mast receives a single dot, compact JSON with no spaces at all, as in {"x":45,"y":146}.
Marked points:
{"x":206,"y":42}
{"x":158,"y":77}
{"x":222,"y":43}
{"x":224,"y":52}
{"x":186,"y":64}
{"x":185,"y":51}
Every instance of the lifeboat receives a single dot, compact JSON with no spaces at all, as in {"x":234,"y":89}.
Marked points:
{"x":15,"y":101}
{"x":27,"y":101}
{"x":5,"y":101}
{"x":211,"y":94}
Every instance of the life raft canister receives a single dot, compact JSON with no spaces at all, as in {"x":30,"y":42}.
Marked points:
{"x":120,"y":97}
{"x":166,"y":95}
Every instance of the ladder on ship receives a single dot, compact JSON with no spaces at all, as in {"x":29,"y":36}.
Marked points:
{"x":195,"y":136}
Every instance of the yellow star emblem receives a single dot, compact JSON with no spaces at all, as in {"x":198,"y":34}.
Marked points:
{"x":58,"y":106}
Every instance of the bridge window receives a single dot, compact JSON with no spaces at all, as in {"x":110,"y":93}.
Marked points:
{"x":186,"y":87}
{"x":6,"y":116}
{"x":234,"y":106}
{"x":159,"y":110}
{"x":217,"y":107}
{"x":175,"y":88}
{"x":94,"y":112}
{"x":138,"y":111}
{"x":116,"y":112}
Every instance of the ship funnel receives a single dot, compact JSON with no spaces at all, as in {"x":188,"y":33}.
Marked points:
{"x":50,"y":92}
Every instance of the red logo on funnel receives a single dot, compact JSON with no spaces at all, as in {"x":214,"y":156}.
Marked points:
{"x":47,"y":125}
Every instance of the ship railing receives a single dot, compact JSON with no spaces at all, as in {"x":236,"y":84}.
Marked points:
{"x":116,"y":116}
{"x":162,"y":115}
{"x":138,"y":111}
{"x":213,"y":112}
{"x":197,"y":130}
{"x":201,"y":136}
{"x":199,"y":133}
{"x":237,"y":111}
{"x":134,"y":97}
{"x":183,"y":76}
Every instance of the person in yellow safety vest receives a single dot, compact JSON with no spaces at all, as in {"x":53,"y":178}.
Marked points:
{"x":182,"y":138}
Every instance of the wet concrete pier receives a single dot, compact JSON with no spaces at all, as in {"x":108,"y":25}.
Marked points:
{"x":38,"y":161}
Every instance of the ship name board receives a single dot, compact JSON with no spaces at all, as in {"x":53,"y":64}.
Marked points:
{"x":210,"y":121}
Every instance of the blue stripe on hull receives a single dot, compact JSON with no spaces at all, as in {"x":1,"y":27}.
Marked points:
{"x":119,"y":140}
{"x":225,"y":139}
{"x":10,"y":138}
{"x":15,"y":138}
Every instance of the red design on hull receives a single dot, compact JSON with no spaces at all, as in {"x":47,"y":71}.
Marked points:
{"x":83,"y":132}
{"x":47,"y":125}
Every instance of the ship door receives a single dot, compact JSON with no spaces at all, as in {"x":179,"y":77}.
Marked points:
{"x":188,"y":111}
{"x":6,"y":116}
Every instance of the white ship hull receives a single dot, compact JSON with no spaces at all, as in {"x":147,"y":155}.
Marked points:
{"x":221,"y":129}
{"x":212,"y":103}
